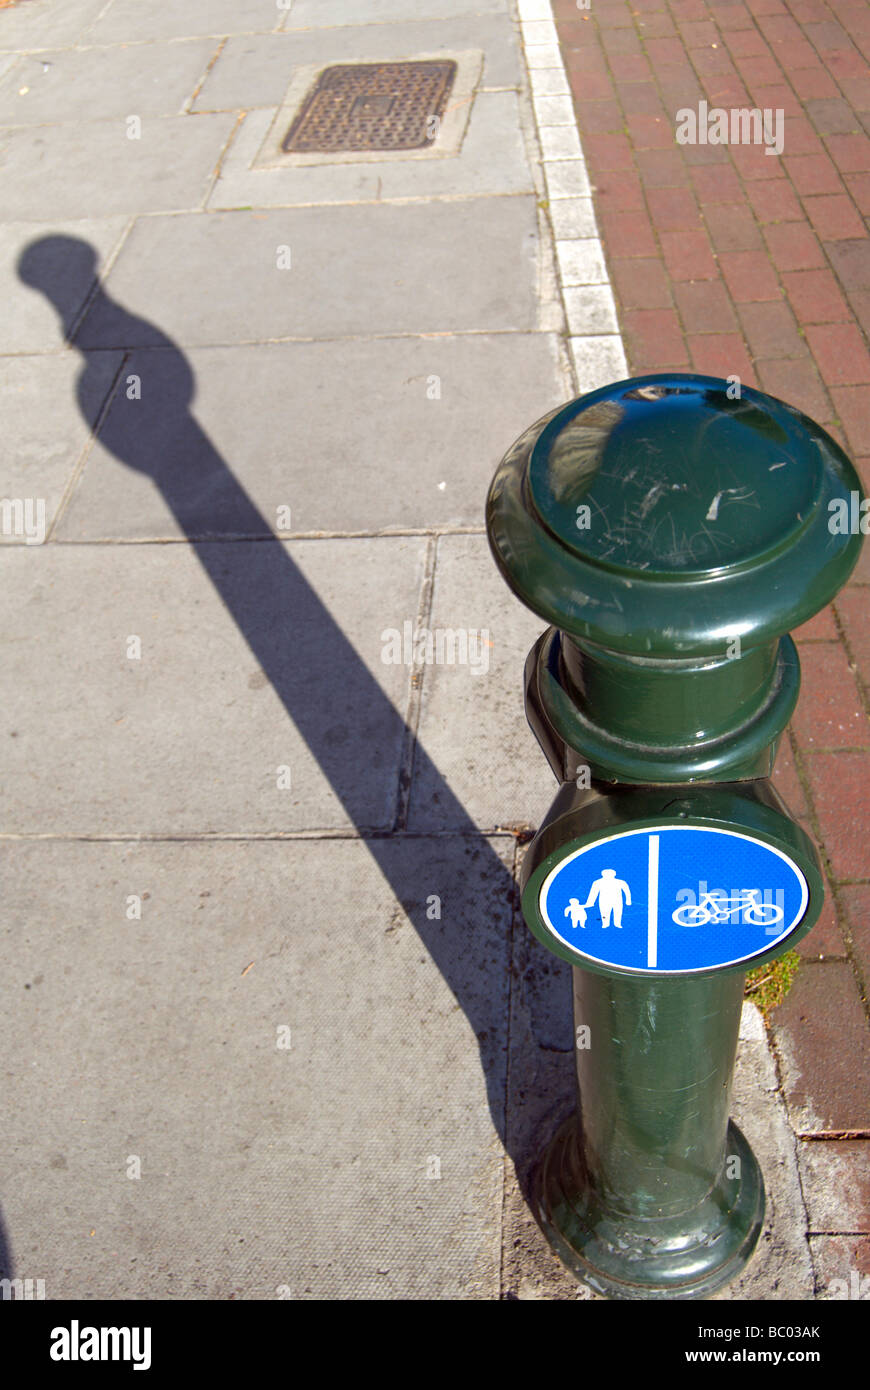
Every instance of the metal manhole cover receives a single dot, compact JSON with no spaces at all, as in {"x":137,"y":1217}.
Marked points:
{"x":372,"y":106}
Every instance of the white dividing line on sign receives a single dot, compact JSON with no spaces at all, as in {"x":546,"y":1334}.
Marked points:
{"x":652,"y":911}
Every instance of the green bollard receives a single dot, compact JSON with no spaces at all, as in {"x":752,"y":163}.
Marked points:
{"x":672,"y":529}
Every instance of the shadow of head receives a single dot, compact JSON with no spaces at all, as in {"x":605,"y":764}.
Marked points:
{"x":148,"y":428}
{"x":64,"y":268}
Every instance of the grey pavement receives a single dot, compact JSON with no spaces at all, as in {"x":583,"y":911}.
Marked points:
{"x":272,"y":1025}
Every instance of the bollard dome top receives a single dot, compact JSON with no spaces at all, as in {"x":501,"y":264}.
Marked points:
{"x":665,"y":515}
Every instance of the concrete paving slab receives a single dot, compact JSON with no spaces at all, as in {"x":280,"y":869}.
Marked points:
{"x":211,"y":1113}
{"x":310,"y":14}
{"x":491,"y":161}
{"x":590,"y":310}
{"x":207,"y":730}
{"x":572,"y":217}
{"x":567,"y":178}
{"x":28,"y":322}
{"x":55,"y":173}
{"x":354,"y":435}
{"x":598,"y":361}
{"x":128,"y":21}
{"x":554,"y":111}
{"x":92,"y":84}
{"x":45,"y":430}
{"x":44,"y":23}
{"x":256,"y":70}
{"x":473,"y":725}
{"x":548,"y":82}
{"x":836,"y":1181}
{"x":446,"y":267}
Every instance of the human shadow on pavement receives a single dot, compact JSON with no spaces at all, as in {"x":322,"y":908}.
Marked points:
{"x":349,"y":724}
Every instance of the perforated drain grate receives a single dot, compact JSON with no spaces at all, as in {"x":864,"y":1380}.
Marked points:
{"x":372,"y":106}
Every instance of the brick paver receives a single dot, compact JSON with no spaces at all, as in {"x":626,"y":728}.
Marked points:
{"x":725,"y":259}
{"x":786,"y":231}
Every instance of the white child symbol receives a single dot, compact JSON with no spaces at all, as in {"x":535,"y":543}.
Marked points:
{"x":576,"y":913}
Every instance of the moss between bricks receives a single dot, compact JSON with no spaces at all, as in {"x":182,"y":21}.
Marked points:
{"x":769,"y":984}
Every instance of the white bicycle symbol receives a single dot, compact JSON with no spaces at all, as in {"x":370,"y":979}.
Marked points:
{"x":713,"y":908}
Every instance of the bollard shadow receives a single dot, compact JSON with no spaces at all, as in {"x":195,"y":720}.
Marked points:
{"x":348,"y":723}
{"x":7,"y":1267}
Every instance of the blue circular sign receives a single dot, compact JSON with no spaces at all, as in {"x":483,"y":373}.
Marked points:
{"x":673,"y":898}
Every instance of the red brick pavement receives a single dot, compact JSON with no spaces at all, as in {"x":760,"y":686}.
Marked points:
{"x":726,"y":259}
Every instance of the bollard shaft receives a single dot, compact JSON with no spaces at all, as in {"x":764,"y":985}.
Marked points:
{"x":652,"y":1110}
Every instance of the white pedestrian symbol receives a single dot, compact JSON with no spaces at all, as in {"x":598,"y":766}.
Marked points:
{"x":609,"y":891}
